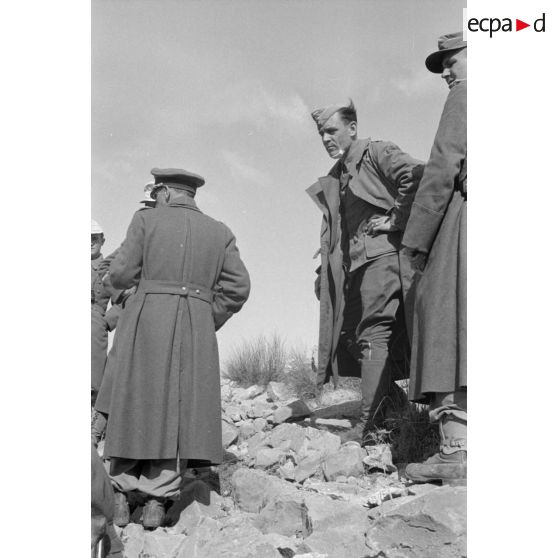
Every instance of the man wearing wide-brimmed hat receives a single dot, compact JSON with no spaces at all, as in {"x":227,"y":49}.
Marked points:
{"x":436,"y":240}
{"x":165,"y":408}
{"x":365,"y":200}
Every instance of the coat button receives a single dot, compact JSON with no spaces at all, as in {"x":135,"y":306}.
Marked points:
{"x":183,"y":288}
{"x":197,"y":291}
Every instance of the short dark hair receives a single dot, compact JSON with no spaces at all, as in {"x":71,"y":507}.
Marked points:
{"x":348,"y":114}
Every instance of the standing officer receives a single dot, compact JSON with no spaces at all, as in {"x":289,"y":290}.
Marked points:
{"x":436,"y":240}
{"x":365,"y":200}
{"x":102,"y":401}
{"x":165,"y":405}
{"x":100,"y":296}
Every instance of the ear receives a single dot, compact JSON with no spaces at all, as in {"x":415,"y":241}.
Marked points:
{"x":353,"y":129}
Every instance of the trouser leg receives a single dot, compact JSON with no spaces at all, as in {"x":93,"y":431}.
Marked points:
{"x":161,"y":478}
{"x":450,"y":411}
{"x":125,"y":473}
{"x":379,"y":292}
{"x":99,"y":345}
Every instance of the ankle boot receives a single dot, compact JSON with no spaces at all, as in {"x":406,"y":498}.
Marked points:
{"x":449,"y":465}
{"x":121,"y":509}
{"x":153,"y":513}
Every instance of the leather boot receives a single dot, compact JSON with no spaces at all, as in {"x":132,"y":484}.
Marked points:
{"x":374,"y":386}
{"x":121,"y":509}
{"x":153,"y":513}
{"x":449,"y":465}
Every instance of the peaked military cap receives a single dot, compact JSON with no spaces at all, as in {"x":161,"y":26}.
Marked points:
{"x":446,"y":43}
{"x":177,"y":178}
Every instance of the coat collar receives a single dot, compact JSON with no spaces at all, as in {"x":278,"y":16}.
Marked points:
{"x":355,"y":155}
{"x":325,"y":192}
{"x":185,"y":201}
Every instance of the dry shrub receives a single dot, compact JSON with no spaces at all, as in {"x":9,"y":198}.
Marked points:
{"x":413,"y":437}
{"x":258,"y":362}
{"x":300,"y":376}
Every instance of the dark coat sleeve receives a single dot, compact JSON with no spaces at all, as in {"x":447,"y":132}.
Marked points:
{"x":440,"y":175}
{"x":404,"y":172}
{"x":125,"y":269}
{"x":233,"y":284}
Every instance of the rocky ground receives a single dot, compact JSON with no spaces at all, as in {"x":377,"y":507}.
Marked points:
{"x":292,"y":487}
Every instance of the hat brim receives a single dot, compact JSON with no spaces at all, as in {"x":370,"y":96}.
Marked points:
{"x":434,"y":61}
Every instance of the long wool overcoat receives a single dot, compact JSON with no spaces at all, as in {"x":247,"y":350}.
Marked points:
{"x":437,"y":226}
{"x":165,"y":401}
{"x":382,"y":175}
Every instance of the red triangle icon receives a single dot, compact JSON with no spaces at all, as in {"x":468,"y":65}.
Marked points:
{"x":519,"y":25}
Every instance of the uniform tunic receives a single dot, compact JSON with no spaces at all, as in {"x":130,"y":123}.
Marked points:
{"x":165,"y":401}
{"x":437,"y":227}
{"x":100,"y":297}
{"x":380,"y":174}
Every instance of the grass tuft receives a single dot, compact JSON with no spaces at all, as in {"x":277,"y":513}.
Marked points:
{"x":258,"y":362}
{"x":301,"y":376}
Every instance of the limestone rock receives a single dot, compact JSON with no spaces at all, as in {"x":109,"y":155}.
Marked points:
{"x":286,"y":471}
{"x":324,"y":442}
{"x":232,"y":541}
{"x":285,"y":516}
{"x":196,"y":500}
{"x":242,"y":394}
{"x":133,"y":538}
{"x":287,"y":546}
{"x":334,"y":423}
{"x":339,"y":491}
{"x":308,"y":466}
{"x":161,"y":544}
{"x":295,"y":409}
{"x":326,"y":513}
{"x":252,"y":489}
{"x":229,"y":433}
{"x":433,"y":524}
{"x":258,"y":441}
{"x":338,"y":527}
{"x":259,"y":410}
{"x":266,"y":457}
{"x":287,"y":436}
{"x":347,"y":462}
{"x":260,"y":424}
{"x":336,"y":410}
{"x":279,"y":391}
{"x":379,"y":457}
{"x":233,"y":412}
{"x":246,"y":429}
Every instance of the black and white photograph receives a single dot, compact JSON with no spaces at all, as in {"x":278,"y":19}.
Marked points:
{"x":278,"y":279}
{"x":279,"y":310}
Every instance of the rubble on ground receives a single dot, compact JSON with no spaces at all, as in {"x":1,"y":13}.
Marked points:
{"x":291,"y":487}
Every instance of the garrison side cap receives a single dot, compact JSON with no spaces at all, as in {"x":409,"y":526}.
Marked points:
{"x":177,"y":178}
{"x":446,"y":43}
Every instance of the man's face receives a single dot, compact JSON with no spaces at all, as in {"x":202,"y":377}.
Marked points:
{"x":337,"y":136}
{"x":160,"y":195}
{"x":455,"y":67}
{"x":97,"y":241}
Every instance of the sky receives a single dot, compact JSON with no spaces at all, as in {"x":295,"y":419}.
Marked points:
{"x":225,"y":89}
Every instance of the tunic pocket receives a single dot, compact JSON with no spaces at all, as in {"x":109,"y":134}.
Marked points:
{"x":381,"y":244}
